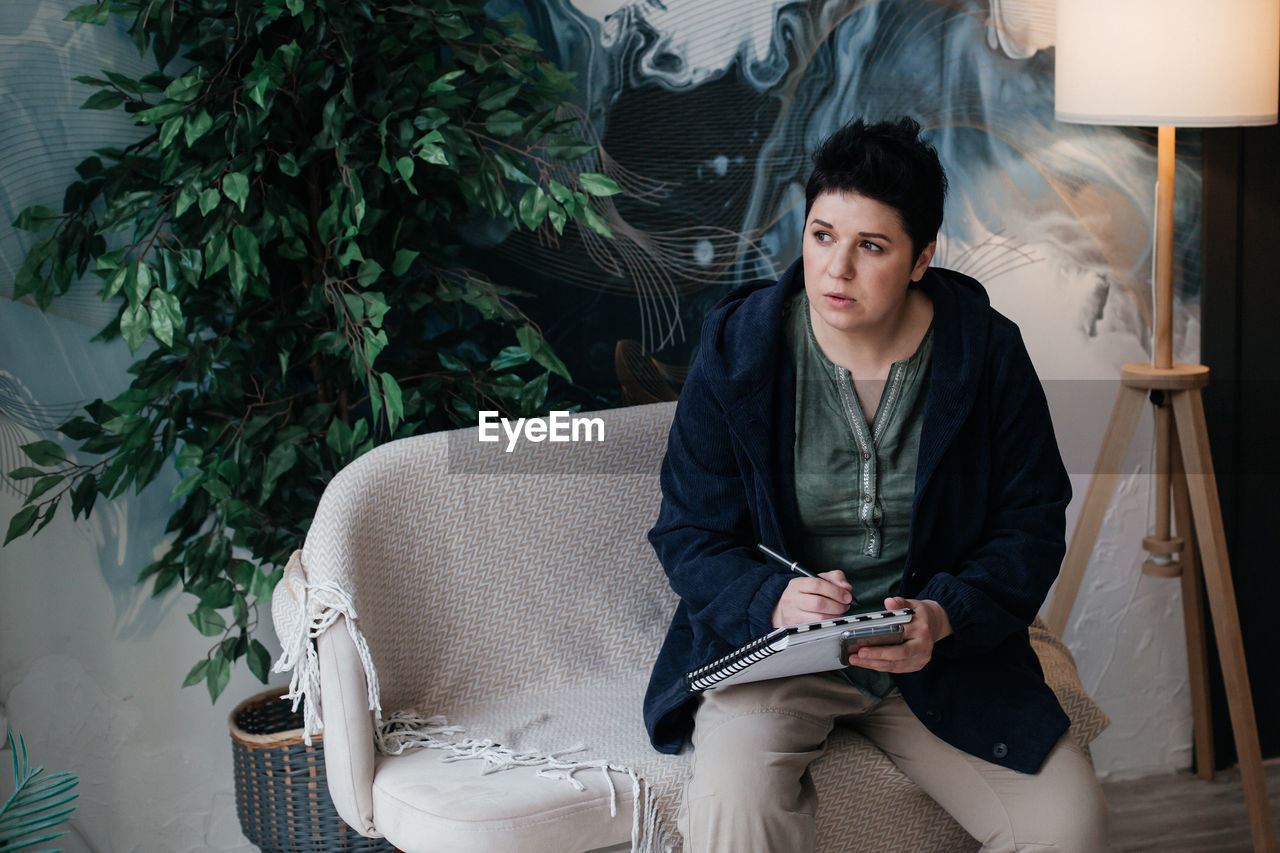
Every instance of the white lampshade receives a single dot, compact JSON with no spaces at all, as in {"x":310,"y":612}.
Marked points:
{"x":1188,"y":63}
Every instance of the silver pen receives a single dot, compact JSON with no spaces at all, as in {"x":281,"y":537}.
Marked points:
{"x":796,"y":567}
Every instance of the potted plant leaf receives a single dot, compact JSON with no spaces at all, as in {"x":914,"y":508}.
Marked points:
{"x":39,"y":802}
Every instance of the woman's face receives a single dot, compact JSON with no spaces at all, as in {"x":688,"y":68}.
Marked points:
{"x":858,"y":264}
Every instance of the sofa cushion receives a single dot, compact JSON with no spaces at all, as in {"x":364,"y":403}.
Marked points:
{"x":429,"y":804}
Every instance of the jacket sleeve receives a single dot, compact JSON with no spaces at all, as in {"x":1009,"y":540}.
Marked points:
{"x":704,"y":535}
{"x":997,"y":587}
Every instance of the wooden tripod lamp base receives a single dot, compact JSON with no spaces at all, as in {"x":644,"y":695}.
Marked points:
{"x":1185,"y":484}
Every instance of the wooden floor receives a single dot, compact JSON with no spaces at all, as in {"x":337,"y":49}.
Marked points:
{"x":1180,"y":813}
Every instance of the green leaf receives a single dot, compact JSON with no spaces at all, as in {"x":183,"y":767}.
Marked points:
{"x":594,"y":221}
{"x":534,"y":393}
{"x":369,"y":272}
{"x":281,"y":459}
{"x":240,"y":611}
{"x":138,"y":285}
{"x":169,"y":131}
{"x":186,"y":485}
{"x":289,"y":165}
{"x":208,"y":622}
{"x":532,"y":342}
{"x":209,"y":201}
{"x":184,"y":89}
{"x":218,"y":595}
{"x":565,"y":147}
{"x":247,"y":247}
{"x":504,"y":123}
{"x":259,"y":660}
{"x":451,"y":362}
{"x":559,"y":191}
{"x":36,"y":218}
{"x":45,"y":453}
{"x":189,"y":457}
{"x":21,"y":523}
{"x":217,"y":489}
{"x":217,"y":254}
{"x":79,"y":429}
{"x":256,"y":89}
{"x":26,"y":473}
{"x":533,"y":207}
{"x":90,"y":13}
{"x":218,"y":676}
{"x":404,"y":165}
{"x":597,"y":184}
{"x":196,"y":674}
{"x":166,"y":316}
{"x":235,"y":186}
{"x":443,"y":83}
{"x":510,"y":170}
{"x":497,"y":95}
{"x":43,"y":485}
{"x":134,"y":325}
{"x":195,"y":127}
{"x":158,"y":113}
{"x":338,"y":438}
{"x":262,"y":585}
{"x":238,"y":274}
{"x":434,"y":155}
{"x":83,"y":496}
{"x":394,"y":399}
{"x":404,"y":260}
{"x":509,"y":357}
{"x":186,"y":197}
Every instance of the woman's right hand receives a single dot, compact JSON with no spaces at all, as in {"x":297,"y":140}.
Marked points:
{"x":813,"y":599}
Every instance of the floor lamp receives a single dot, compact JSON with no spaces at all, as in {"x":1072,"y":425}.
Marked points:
{"x":1167,"y":63}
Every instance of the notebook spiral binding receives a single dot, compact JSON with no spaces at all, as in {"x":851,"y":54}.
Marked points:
{"x":711,"y":674}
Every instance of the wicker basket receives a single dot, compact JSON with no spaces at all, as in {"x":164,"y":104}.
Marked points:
{"x":282,"y":796}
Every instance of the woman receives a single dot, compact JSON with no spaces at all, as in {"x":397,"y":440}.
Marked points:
{"x":876,"y":420}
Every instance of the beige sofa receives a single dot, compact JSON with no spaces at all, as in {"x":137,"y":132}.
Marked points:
{"x":514,"y":595}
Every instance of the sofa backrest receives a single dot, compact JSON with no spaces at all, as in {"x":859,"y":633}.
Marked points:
{"x":477,"y":572}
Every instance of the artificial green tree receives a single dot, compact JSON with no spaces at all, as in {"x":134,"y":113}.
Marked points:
{"x":283,"y":244}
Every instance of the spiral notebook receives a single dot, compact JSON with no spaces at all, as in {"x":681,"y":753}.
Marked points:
{"x":796,"y":649}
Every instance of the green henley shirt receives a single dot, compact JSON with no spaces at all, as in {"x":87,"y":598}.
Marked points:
{"x":854,"y":480}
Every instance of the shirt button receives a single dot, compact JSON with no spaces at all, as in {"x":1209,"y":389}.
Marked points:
{"x":1000,"y":750}
{"x":867,"y":498}
{"x":866,"y":454}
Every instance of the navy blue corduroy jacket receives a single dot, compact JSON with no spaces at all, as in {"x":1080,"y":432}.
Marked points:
{"x":987,"y":521}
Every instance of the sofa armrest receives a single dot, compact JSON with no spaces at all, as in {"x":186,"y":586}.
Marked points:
{"x":1087,"y":719}
{"x":348,"y":729}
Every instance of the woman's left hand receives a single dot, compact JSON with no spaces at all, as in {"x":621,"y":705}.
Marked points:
{"x":929,"y":625}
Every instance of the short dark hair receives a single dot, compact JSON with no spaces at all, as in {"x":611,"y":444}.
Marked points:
{"x":890,"y":163}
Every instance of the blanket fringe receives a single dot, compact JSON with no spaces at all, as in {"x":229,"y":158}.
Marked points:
{"x":306,"y":610}
{"x":300,"y":617}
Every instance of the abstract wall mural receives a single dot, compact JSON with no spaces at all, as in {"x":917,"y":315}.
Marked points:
{"x":707,"y":111}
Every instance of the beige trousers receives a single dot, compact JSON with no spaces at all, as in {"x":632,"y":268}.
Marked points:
{"x":751,"y":791}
